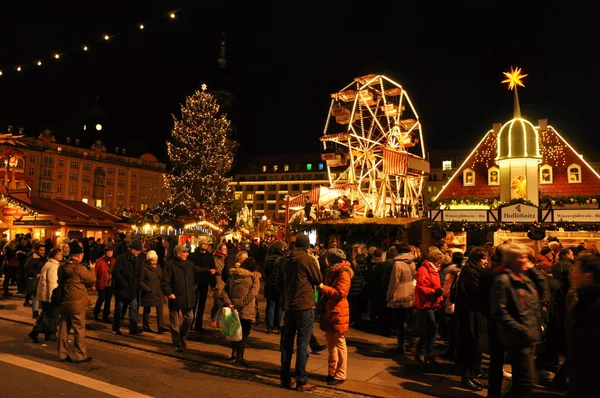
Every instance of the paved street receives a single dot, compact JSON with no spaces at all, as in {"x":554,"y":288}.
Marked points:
{"x":148,"y":365}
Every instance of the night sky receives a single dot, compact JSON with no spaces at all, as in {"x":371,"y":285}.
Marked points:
{"x":285,"y":58}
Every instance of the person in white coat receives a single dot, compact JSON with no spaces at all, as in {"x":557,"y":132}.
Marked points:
{"x":47,"y":322}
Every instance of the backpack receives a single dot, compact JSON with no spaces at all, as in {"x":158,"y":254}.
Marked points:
{"x":454,"y":289}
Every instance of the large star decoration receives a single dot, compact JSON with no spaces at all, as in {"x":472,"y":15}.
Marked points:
{"x":514,"y":78}
{"x":204,"y":86}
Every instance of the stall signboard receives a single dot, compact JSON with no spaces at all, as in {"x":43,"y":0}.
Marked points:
{"x":519,"y":213}
{"x":465,"y":215}
{"x":575,"y":215}
{"x":33,"y":222}
{"x":14,"y":211}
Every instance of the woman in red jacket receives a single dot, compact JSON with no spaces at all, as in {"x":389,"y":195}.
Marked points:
{"x":428,"y":299}
{"x":335,"y":319}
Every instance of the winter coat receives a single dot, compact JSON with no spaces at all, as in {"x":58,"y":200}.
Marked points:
{"x":428,"y":281}
{"x":179,"y":278}
{"x":272,"y":267}
{"x":299,"y":275}
{"x":76,"y":279}
{"x":203,"y":260}
{"x":586,"y":348}
{"x":472,"y":321}
{"x":125,"y":277}
{"x":515,"y":306}
{"x":358,"y":281}
{"x":48,"y":280}
{"x":241,"y":291}
{"x":561,"y":271}
{"x":452,"y":272}
{"x":33,"y":267}
{"x":218,"y":283}
{"x":104,"y":267}
{"x":150,"y":284}
{"x":401,"y":289}
{"x":336,"y":315}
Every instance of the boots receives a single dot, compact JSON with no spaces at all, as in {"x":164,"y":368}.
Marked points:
{"x":239,"y":358}
{"x":417,"y":352}
{"x":430,"y":358}
{"x":234,"y":348}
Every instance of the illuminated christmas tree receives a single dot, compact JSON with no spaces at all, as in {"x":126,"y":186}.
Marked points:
{"x":201,"y":156}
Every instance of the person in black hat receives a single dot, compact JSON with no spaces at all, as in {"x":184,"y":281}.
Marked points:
{"x":125,"y":284}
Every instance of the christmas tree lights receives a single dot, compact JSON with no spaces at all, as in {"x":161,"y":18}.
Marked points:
{"x":201,"y":156}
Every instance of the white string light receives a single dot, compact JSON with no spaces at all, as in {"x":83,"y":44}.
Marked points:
{"x":105,"y":37}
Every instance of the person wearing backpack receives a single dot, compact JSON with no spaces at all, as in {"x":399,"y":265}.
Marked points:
{"x":450,"y":286}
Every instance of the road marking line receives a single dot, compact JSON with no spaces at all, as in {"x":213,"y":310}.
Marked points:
{"x":75,"y":378}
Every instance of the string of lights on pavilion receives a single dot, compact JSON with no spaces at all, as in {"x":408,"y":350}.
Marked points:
{"x":552,"y":149}
{"x":486,"y":152}
{"x":83,"y":48}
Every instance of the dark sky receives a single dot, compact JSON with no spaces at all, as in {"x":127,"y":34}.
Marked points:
{"x":285,"y":58}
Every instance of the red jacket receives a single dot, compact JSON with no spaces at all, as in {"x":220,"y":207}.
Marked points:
{"x":428,"y":281}
{"x":336,"y":315}
{"x":104,"y":267}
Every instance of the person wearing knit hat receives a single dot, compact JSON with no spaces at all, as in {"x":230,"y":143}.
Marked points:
{"x":152,"y":295}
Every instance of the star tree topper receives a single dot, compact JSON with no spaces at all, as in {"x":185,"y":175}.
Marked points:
{"x":514,"y":78}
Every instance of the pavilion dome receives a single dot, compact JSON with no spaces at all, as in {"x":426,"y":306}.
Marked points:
{"x":518,"y":139}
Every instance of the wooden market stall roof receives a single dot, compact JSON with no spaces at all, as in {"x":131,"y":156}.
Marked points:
{"x":74,"y":212}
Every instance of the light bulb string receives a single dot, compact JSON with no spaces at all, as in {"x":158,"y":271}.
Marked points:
{"x":85,"y":47}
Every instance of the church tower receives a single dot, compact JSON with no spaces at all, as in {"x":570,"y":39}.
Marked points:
{"x":221,"y":86}
{"x":518,"y":153}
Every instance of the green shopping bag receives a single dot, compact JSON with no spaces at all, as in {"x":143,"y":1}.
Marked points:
{"x":230,"y":322}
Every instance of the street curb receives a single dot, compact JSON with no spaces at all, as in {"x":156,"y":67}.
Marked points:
{"x":229,"y":371}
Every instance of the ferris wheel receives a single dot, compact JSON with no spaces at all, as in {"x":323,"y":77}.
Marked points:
{"x":373,"y":146}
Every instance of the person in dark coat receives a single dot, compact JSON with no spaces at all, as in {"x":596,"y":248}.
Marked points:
{"x":204,"y":259}
{"x":472,"y":321}
{"x":515,"y":306}
{"x":272,"y":294}
{"x":125,"y":284}
{"x":159,"y":248}
{"x":178,"y":283}
{"x":152,"y":295}
{"x":585,"y":278}
{"x":33,"y":267}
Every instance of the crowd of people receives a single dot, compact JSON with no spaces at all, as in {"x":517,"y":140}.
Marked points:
{"x":537,"y":311}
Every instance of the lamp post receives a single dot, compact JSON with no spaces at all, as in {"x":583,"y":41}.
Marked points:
{"x":287,"y":218}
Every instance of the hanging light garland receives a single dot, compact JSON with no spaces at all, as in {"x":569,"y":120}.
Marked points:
{"x":85,"y":47}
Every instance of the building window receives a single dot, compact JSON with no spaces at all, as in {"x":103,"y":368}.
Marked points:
{"x":493,"y":176}
{"x":74,"y":165}
{"x":275,"y":167}
{"x":134,"y":174}
{"x":99,"y":203}
{"x":309,"y":166}
{"x":446,"y":165}
{"x":133,"y":185}
{"x":87,"y":178}
{"x":249,"y":196}
{"x":46,"y":186}
{"x":574,"y":174}
{"x":60,"y":175}
{"x":297,"y":167}
{"x":31,"y":171}
{"x":121,"y":172}
{"x":61,"y":162}
{"x":73,"y":177}
{"x":110,"y":170}
{"x":47,"y":173}
{"x":72,"y":189}
{"x":48,"y":160}
{"x":109,"y":193}
{"x":546,"y":174}
{"x":32,"y":158}
{"x":85,"y":190}
{"x":58,"y":187}
{"x":283,"y":187}
{"x":468,"y":178}
{"x":87,"y":166}
{"x":100,"y":180}
{"x":110,"y":181}
{"x":264,"y":169}
{"x":84,"y":200}
{"x":321,"y":166}
{"x":121,"y":183}
{"x":286,"y":167}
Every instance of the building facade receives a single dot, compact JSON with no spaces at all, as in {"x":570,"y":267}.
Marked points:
{"x":111,"y":181}
{"x":266,"y":181}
